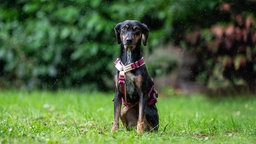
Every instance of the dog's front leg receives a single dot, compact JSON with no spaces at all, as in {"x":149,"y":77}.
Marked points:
{"x":142,"y":104}
{"x":141,"y":118}
{"x":117,"y":107}
{"x":117,"y":112}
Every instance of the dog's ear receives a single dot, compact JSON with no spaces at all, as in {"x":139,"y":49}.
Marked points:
{"x":117,"y":32}
{"x":145,"y":32}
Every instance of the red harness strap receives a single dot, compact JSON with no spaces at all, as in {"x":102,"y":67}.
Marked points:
{"x":152,"y":95}
{"x":126,"y":68}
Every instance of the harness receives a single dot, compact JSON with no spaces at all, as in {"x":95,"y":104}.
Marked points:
{"x":152,"y":94}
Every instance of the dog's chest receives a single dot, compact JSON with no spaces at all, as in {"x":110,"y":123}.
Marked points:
{"x":130,"y":86}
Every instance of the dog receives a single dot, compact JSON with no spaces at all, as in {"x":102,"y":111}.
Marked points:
{"x":134,"y":88}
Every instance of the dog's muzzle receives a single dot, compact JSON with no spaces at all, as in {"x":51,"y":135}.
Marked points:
{"x":129,"y":46}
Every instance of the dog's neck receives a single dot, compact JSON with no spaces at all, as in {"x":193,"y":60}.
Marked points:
{"x":130,"y":56}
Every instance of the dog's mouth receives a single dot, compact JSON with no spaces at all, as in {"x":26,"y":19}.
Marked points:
{"x":129,"y":46}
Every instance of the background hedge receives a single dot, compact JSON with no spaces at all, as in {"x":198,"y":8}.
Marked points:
{"x":71,"y":44}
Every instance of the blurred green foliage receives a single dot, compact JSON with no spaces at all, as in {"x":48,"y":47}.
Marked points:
{"x":61,"y":44}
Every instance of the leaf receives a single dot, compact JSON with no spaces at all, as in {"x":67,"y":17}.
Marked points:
{"x":239,"y":60}
{"x":67,"y":14}
{"x":65,"y":32}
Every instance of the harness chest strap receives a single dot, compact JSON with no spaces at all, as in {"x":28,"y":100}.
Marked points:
{"x":123,"y":69}
{"x":152,"y":96}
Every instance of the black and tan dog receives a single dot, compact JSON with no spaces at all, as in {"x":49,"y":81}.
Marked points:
{"x":133,"y":85}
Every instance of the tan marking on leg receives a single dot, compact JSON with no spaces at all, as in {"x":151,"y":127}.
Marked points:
{"x":123,"y":116}
{"x":140,"y":123}
{"x":116,"y":79}
{"x":115,"y":125}
{"x":138,"y":81}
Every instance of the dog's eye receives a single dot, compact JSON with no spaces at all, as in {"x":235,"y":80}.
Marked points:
{"x":123,"y":29}
{"x":137,"y":32}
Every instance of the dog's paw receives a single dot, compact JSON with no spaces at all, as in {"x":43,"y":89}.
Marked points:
{"x":115,"y":127}
{"x":140,"y":128}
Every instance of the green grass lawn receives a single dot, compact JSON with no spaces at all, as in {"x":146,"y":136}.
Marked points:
{"x":78,"y":117}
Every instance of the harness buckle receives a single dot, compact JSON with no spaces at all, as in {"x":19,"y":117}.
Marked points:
{"x":122,"y":77}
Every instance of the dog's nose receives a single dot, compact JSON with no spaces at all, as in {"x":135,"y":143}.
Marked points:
{"x":128,"y":40}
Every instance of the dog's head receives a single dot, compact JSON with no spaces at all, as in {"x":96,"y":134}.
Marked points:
{"x":130,"y":33}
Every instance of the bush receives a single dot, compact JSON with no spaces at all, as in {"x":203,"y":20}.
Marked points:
{"x":224,"y":48}
{"x":52,"y":44}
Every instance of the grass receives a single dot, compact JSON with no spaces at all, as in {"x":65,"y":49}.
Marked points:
{"x":76,"y":117}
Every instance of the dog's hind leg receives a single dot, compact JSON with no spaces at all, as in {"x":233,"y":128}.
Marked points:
{"x":152,"y":117}
{"x":124,"y":115}
{"x":129,"y":116}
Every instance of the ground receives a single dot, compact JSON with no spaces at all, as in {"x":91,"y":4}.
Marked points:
{"x":80,"y":117}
